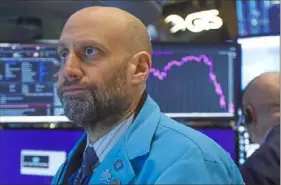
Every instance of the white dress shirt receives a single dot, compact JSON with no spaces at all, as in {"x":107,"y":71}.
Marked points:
{"x":106,"y":143}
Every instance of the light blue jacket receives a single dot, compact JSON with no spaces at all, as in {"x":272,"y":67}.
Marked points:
{"x":157,"y":150}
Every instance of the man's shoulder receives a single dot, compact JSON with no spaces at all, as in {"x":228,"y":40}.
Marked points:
{"x":185,"y":139}
{"x":265,"y":153}
{"x":257,"y":165}
{"x":176,"y":145}
{"x":268,"y":151}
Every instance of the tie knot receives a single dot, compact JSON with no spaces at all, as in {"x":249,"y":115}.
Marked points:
{"x":90,"y":161}
{"x":90,"y":157}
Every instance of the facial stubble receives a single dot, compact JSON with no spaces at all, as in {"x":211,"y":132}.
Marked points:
{"x":99,"y":104}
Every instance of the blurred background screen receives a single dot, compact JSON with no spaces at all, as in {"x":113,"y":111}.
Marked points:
{"x":258,"y":17}
{"x":35,"y":154}
{"x":259,"y":54}
{"x":27,"y":79}
{"x":225,"y":137}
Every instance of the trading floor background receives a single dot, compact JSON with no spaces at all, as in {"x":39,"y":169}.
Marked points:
{"x":201,"y":65}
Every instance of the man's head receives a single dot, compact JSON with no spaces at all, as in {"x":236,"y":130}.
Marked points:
{"x":261,"y":104}
{"x":106,"y":55}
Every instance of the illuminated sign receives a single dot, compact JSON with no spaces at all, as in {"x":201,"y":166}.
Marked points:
{"x":195,"y":22}
{"x":42,"y":163}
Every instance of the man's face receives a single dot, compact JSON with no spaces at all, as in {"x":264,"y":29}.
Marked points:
{"x":92,"y":82}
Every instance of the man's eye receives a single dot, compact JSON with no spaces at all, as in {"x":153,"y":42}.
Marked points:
{"x":64,"y":55}
{"x":89,"y":51}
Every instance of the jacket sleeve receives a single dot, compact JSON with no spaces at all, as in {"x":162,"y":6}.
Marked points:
{"x":198,"y":171}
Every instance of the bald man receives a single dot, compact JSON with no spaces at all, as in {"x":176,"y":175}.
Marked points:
{"x":261,"y":104}
{"x":106,"y":59}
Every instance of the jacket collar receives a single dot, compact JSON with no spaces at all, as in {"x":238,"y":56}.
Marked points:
{"x":142,"y":130}
{"x":118,"y":164}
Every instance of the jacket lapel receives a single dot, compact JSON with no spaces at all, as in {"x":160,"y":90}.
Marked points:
{"x":115,"y":169}
{"x":142,"y":130}
{"x":72,"y":162}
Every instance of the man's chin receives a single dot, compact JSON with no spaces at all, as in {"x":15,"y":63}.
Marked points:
{"x":79,"y":116}
{"x":80,"y":122}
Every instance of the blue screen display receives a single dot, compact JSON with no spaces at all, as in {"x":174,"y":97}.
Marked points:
{"x":258,"y":17}
{"x":33,"y":156}
{"x":226,"y":138}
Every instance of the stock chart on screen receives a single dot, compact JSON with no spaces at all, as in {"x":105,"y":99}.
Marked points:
{"x":27,"y":79}
{"x":194,"y":80}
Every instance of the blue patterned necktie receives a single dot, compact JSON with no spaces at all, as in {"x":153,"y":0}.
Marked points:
{"x":90,"y":161}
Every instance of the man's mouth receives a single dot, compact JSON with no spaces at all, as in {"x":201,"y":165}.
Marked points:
{"x":72,"y":90}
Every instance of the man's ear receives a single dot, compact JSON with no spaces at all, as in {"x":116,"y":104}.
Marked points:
{"x":255,"y":117}
{"x":140,"y":69}
{"x":252,"y":114}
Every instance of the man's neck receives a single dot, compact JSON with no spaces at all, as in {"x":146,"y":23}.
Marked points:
{"x":104,"y":127}
{"x":268,"y":131}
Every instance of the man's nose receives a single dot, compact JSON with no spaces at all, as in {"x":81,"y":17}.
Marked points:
{"x":72,"y":70}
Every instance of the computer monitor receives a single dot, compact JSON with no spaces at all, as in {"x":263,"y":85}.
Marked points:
{"x":32,"y":156}
{"x":195,"y":81}
{"x":191,"y":81}
{"x":258,"y":17}
{"x":225,"y":137}
{"x":27,"y":80}
{"x":259,"y":55}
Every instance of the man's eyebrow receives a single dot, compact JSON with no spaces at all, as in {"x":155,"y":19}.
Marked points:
{"x":91,"y":42}
{"x":88,"y":42}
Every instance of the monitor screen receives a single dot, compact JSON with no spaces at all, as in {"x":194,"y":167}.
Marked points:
{"x":259,"y":55}
{"x":258,"y":17}
{"x":225,"y":137}
{"x":33,"y":156}
{"x":27,"y":80}
{"x":185,"y":80}
{"x":194,"y":80}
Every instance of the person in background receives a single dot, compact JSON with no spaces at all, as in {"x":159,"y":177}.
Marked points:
{"x":261,"y":108}
{"x":106,"y":59}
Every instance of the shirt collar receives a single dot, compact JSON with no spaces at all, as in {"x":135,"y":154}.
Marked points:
{"x":106,"y":143}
